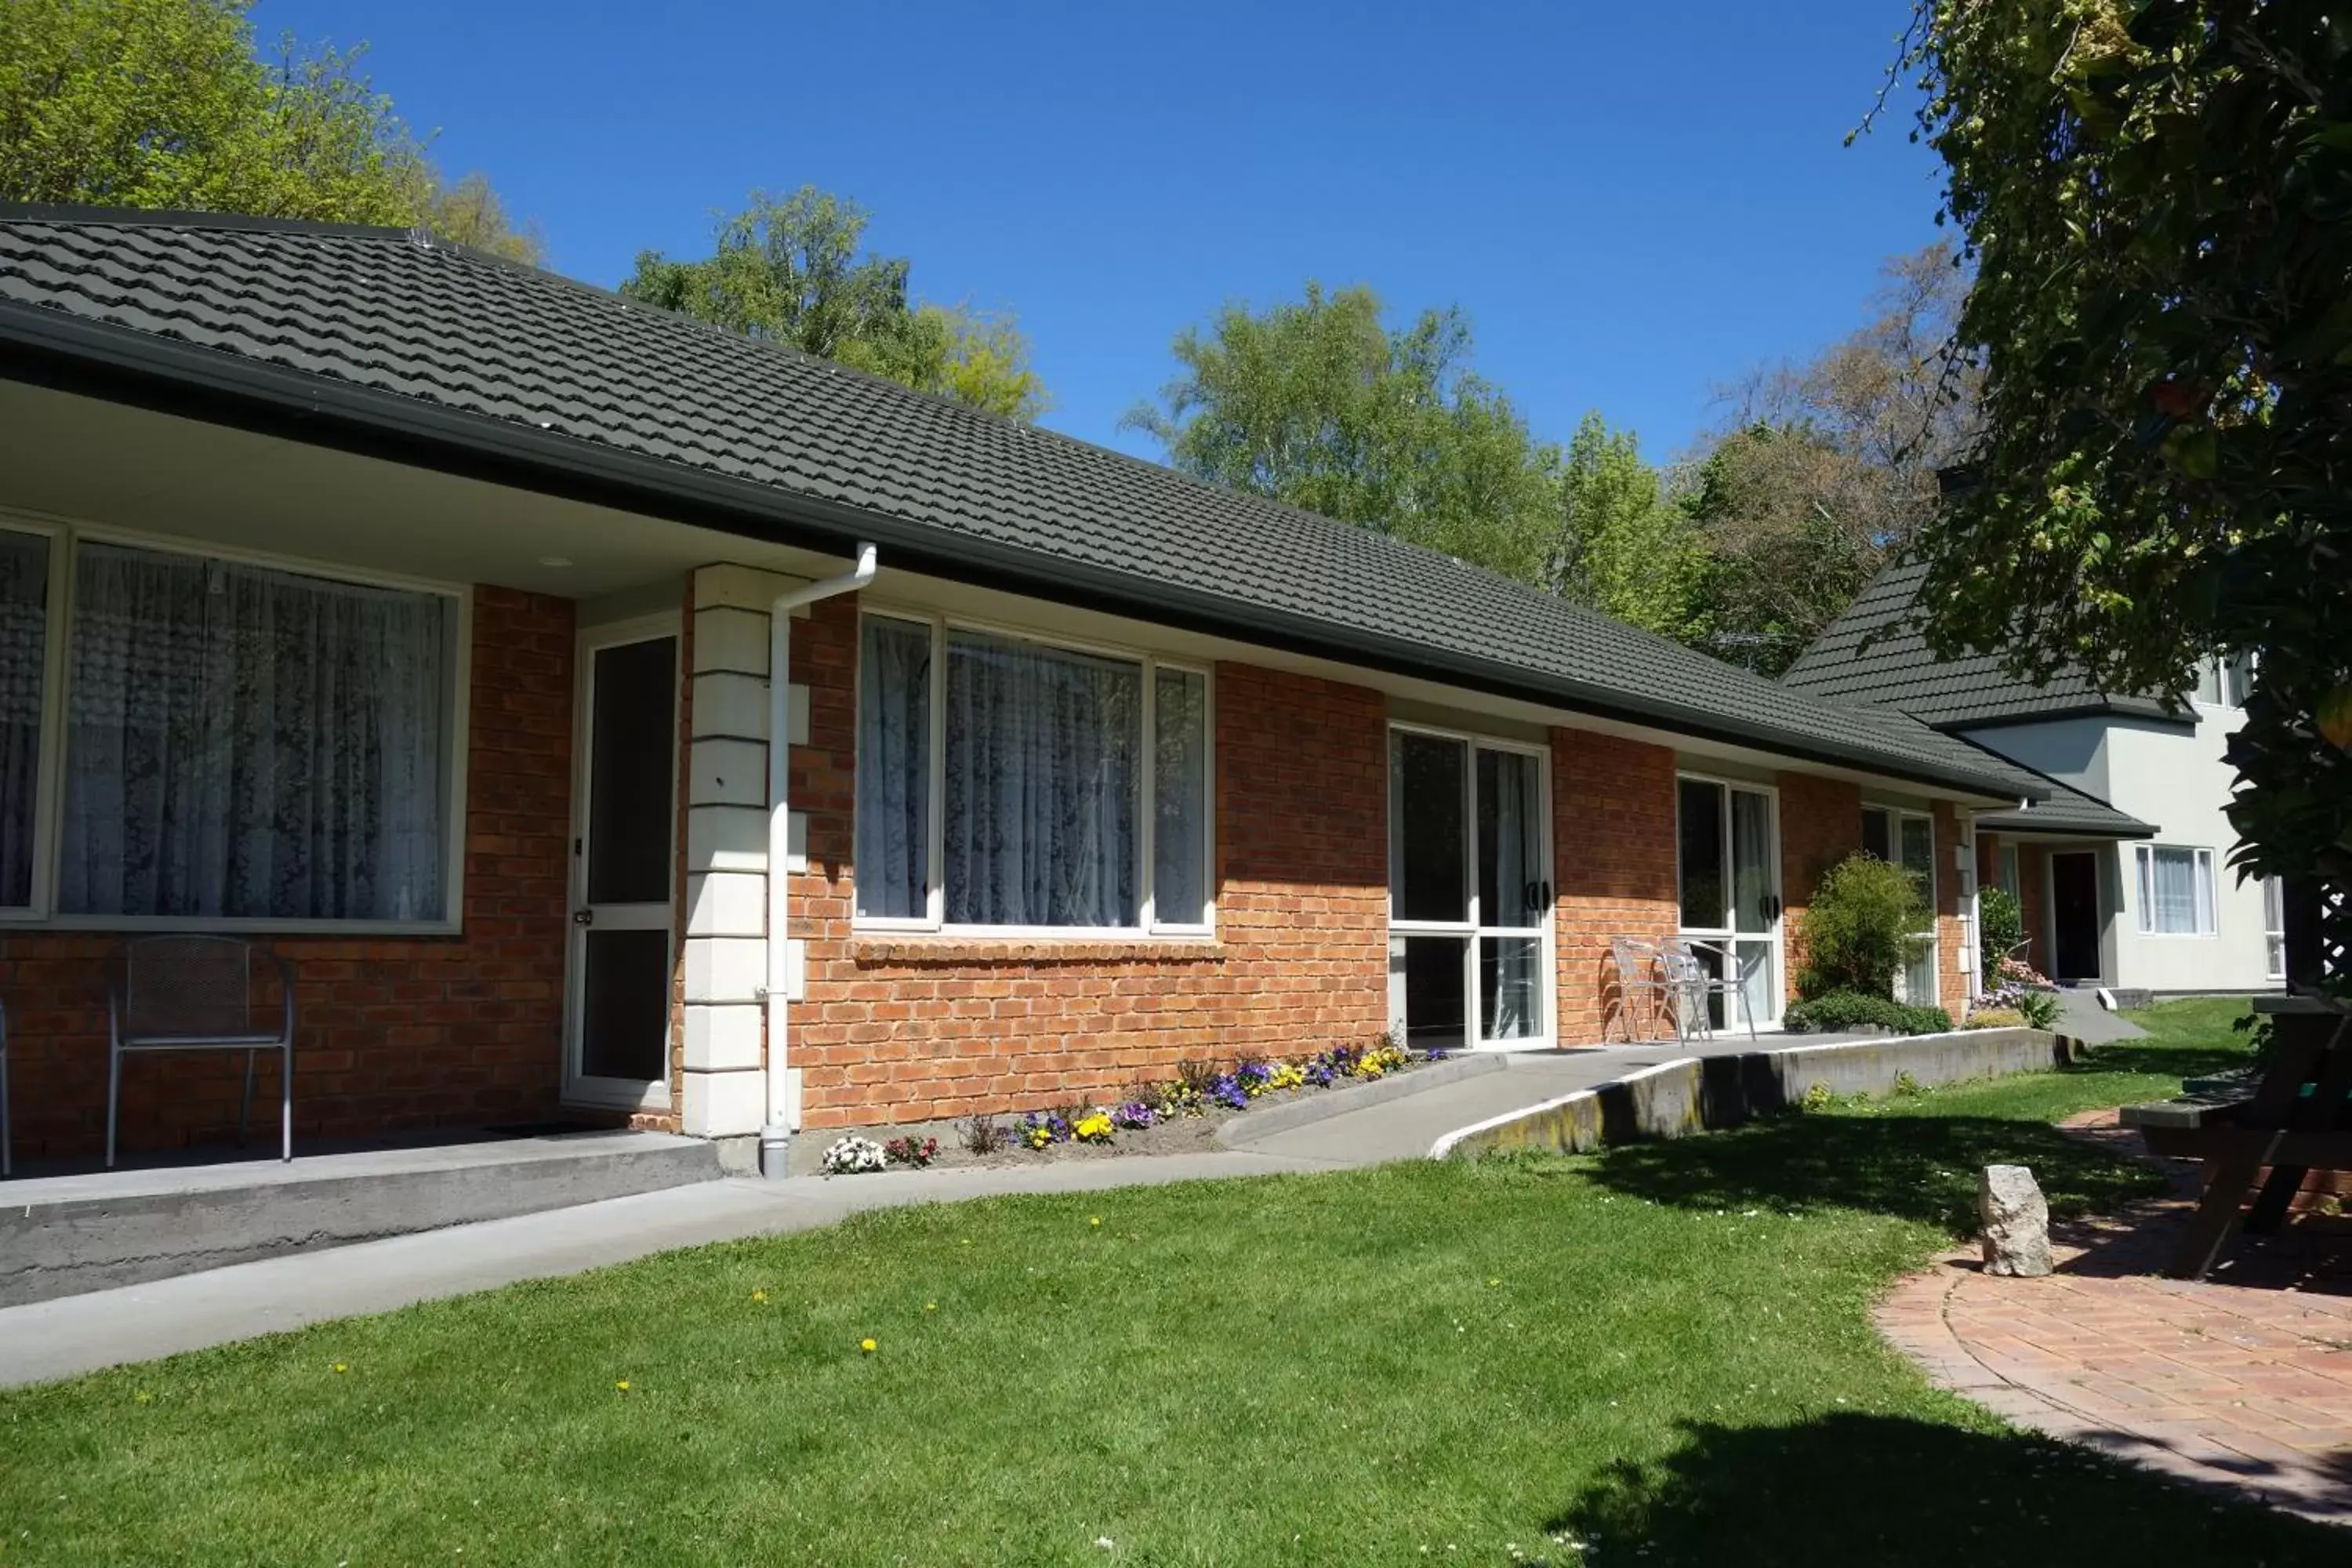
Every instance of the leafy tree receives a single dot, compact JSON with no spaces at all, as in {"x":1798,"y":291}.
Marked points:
{"x":1316,"y":403}
{"x":2158,"y":197}
{"x":166,"y":104}
{"x":788,"y":269}
{"x":1623,"y":547}
{"x":1827,"y":467}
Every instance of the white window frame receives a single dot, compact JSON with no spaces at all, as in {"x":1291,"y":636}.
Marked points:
{"x":1724,"y":936}
{"x":66,"y":539}
{"x":1897,"y":815}
{"x":1474,"y":926}
{"x":2208,"y":913}
{"x":933,"y":920}
{"x":2273,"y":928}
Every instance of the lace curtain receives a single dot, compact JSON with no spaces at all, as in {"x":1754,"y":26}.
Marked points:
{"x":24,"y":627}
{"x":894,"y":769}
{"x":2168,"y":891}
{"x":1043,"y":754}
{"x":244,"y":742}
{"x":1179,"y":855}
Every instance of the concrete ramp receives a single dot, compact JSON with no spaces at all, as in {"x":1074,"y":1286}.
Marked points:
{"x":61,"y":1235}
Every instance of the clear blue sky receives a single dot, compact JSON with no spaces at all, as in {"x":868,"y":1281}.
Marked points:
{"x":1632,"y":202}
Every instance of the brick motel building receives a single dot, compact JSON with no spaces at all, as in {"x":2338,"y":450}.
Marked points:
{"x":417,"y":614}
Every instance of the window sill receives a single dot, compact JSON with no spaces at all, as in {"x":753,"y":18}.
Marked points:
{"x":880,"y":951}
{"x":166,"y":925}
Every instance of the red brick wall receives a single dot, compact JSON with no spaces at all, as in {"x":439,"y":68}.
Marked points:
{"x":1953,"y":983}
{"x":912,"y":1028}
{"x":2032,"y":880}
{"x":1613,"y":804}
{"x":392,"y":1033}
{"x":1821,"y":825}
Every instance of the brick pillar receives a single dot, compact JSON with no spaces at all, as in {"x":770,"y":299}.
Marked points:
{"x":1614,"y":819}
{"x":1821,"y":825}
{"x":723,"y":1090}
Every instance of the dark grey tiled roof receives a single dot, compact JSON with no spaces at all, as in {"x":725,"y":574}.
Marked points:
{"x":475,"y":354}
{"x":1897,"y":672}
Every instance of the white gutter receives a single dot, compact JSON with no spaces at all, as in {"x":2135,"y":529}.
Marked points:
{"x":783,"y":1105}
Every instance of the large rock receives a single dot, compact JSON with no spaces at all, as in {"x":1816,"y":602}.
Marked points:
{"x":2016,"y":1222}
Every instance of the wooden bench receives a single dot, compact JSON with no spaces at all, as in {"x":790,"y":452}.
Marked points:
{"x":2290,"y":1118}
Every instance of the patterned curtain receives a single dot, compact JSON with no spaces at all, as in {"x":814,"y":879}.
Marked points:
{"x":23,"y":641}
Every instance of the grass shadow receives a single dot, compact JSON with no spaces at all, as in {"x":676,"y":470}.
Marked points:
{"x":1852,"y":1489}
{"x":1918,"y":1168}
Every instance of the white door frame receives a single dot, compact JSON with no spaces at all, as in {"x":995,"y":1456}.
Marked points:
{"x":578,"y":1088}
{"x":1723,"y":935}
{"x":1472,"y":929}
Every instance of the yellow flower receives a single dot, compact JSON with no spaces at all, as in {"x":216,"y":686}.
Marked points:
{"x":342,"y":1366}
{"x":930,"y":1306}
{"x":759,"y":1297}
{"x":1492,"y":1283}
{"x":865,"y":1345}
{"x":1095,"y":1220}
{"x":144,"y":1397}
{"x":623,"y":1386}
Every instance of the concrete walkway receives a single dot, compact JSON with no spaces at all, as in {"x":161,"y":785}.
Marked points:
{"x":2080,"y":1015}
{"x":72,"y":1334}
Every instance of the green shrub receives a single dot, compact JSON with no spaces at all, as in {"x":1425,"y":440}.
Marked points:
{"x":1995,"y":1018}
{"x":2001,"y":928}
{"x":1836,"y":1011}
{"x":1859,"y":930}
{"x":2040,"y":1008}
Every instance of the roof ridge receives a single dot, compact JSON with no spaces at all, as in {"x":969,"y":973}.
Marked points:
{"x":178,"y":217}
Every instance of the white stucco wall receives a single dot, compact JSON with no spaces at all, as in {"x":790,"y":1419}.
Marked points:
{"x":2176,"y":778}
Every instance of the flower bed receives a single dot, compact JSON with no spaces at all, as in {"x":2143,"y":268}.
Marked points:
{"x":1150,"y":1119}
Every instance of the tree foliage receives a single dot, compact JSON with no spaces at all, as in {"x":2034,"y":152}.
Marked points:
{"x":1826,"y":468}
{"x":1623,"y":547}
{"x":789,"y":270}
{"x":2158,"y":197}
{"x":1318,"y":404}
{"x":167,"y":104}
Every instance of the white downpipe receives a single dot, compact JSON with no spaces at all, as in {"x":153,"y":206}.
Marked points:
{"x":775,"y":1132}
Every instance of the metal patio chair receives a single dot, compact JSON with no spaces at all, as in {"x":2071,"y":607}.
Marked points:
{"x":199,"y":993}
{"x":1694,"y":984}
{"x":1639,"y":973}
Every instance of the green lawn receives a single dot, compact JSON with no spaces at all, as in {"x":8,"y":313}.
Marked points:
{"x":1662,"y":1350}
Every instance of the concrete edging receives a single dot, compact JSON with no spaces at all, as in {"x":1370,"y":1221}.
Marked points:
{"x":1252,"y":1125}
{"x":1704,"y":1094}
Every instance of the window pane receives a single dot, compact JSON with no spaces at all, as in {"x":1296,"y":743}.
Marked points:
{"x":244,"y":742}
{"x":1043,"y":754}
{"x":631,"y":773}
{"x":2208,"y":683}
{"x":1700,"y":851}
{"x":1752,"y":873}
{"x":1510,"y":989}
{"x":1510,"y":840}
{"x":2237,"y":678}
{"x":1878,"y":834}
{"x":1428,"y":866}
{"x":2008,"y":875}
{"x":23,"y":641}
{"x":1919,"y":852}
{"x":1180,"y":794}
{"x":2169,"y":878}
{"x":892,"y":874}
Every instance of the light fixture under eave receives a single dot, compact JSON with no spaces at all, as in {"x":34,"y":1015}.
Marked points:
{"x":555,"y":560}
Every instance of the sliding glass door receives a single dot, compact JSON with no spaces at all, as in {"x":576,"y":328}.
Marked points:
{"x":1469,"y":892}
{"x":1728,"y":842}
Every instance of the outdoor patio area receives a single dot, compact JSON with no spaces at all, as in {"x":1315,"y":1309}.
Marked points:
{"x":2244,"y":1381}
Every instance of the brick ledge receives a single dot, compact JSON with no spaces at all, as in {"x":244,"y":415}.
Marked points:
{"x":871,"y":952}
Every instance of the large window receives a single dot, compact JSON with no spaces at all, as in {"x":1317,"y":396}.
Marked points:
{"x":2176,"y":890}
{"x":2275,"y":928}
{"x":1006,"y":785}
{"x":2224,"y":682}
{"x":1908,"y":838}
{"x":240,"y":744}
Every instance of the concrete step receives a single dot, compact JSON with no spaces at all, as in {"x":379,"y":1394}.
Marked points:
{"x":61,"y":1235}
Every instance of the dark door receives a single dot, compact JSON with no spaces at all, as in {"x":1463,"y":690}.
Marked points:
{"x":2074,"y":914}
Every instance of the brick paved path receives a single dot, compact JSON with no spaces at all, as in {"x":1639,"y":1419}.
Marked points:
{"x":2244,"y":1381}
